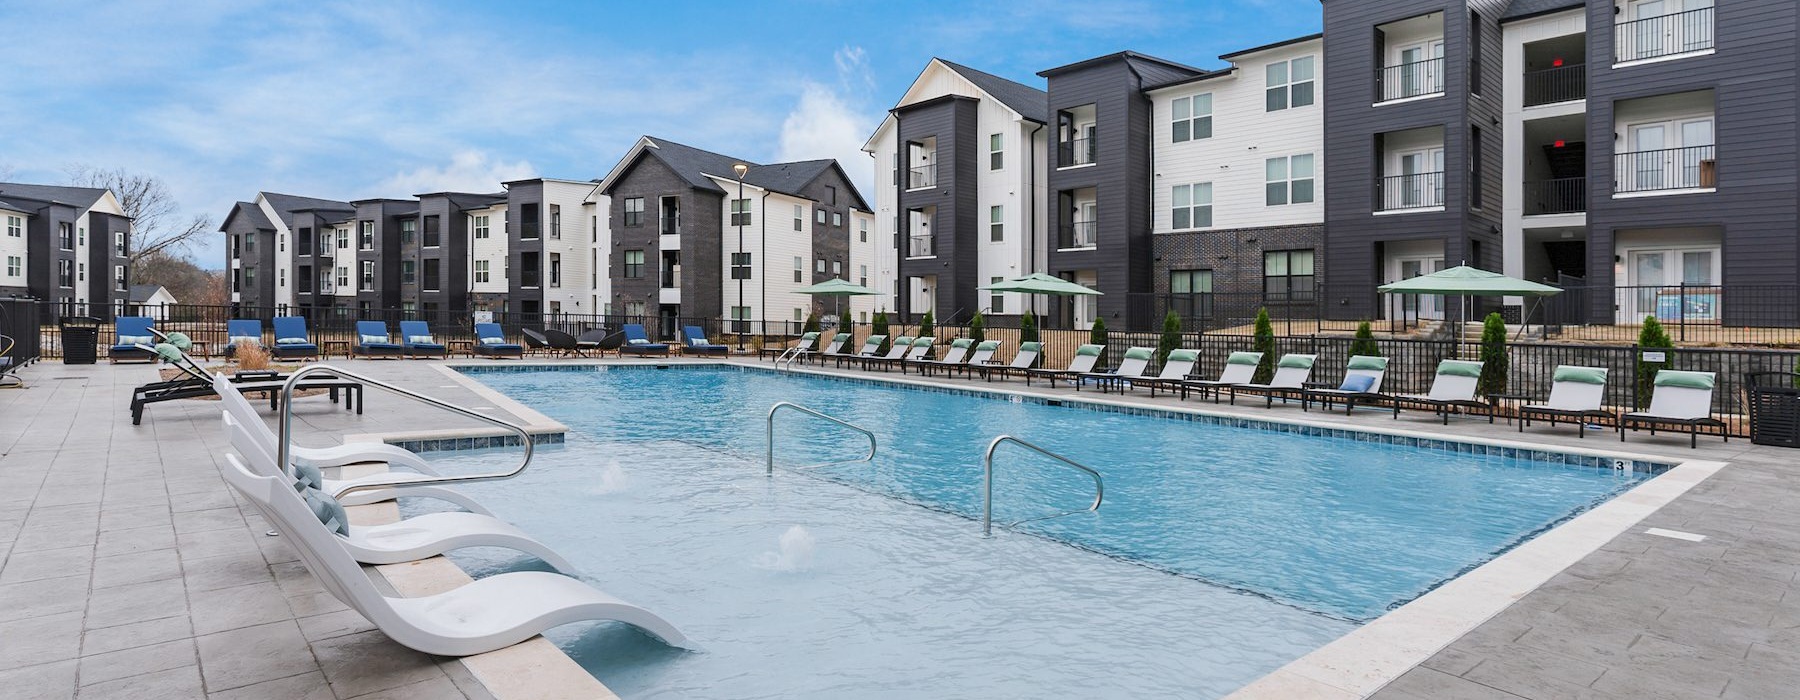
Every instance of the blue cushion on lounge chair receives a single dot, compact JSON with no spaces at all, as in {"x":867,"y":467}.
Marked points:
{"x":1357,"y":383}
{"x":307,"y":476}
{"x":329,"y":511}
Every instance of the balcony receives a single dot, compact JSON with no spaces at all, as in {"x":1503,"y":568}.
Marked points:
{"x":1672,"y":34}
{"x":1409,"y":80}
{"x":1689,"y":168}
{"x":1553,"y":85}
{"x":1415,"y":191}
{"x":1080,"y":234}
{"x":922,"y":177}
{"x":671,"y":225}
{"x":529,"y":278}
{"x":918,"y":247}
{"x":1561,"y":196}
{"x":1075,"y":152}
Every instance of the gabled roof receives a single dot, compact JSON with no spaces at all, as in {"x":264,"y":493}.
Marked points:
{"x":693,"y":165}
{"x":78,"y":197}
{"x":250,"y":210}
{"x":142,"y":292}
{"x":1277,"y":45}
{"x":1522,"y":9}
{"x":1121,"y":55}
{"x":287,"y":204}
{"x":14,"y":207}
{"x":698,"y":167}
{"x":1031,"y":103}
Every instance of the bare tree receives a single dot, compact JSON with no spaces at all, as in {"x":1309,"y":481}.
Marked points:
{"x":156,"y":226}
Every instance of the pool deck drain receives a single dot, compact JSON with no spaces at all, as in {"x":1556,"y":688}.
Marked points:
{"x":130,"y":569}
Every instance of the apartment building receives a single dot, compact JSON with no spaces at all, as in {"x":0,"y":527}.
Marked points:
{"x":557,"y":242}
{"x":961,"y":182}
{"x":1651,"y":144}
{"x":265,"y":253}
{"x":698,"y":234}
{"x":64,"y":244}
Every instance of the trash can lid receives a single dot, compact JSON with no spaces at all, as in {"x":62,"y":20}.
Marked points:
{"x":78,"y":321}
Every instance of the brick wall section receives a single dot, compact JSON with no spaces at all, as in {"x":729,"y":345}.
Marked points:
{"x":1235,"y":256}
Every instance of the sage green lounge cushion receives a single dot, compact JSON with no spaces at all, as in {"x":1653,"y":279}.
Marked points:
{"x":1089,"y":350}
{"x":841,"y":338}
{"x":180,"y":340}
{"x":1365,"y":362}
{"x":1244,"y":358}
{"x":1580,"y":375}
{"x":961,"y":343}
{"x":1459,"y":368}
{"x":1139,"y":354}
{"x":328,"y":511}
{"x":988,"y":346}
{"x":1296,"y":362}
{"x":1686,"y":380}
{"x":1033,"y":346}
{"x":923,"y":341}
{"x":1184,"y":355}
{"x":809,"y":337}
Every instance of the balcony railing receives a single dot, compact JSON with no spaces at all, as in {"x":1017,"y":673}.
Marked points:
{"x":1075,"y":152}
{"x":671,"y":225}
{"x":671,"y":279}
{"x":1664,"y":35}
{"x":1415,"y":191}
{"x":919,"y":247}
{"x":1080,"y":234}
{"x":1687,"y":168}
{"x":922,"y":176}
{"x":1561,"y":196}
{"x":529,"y":278}
{"x":1553,"y":85}
{"x":1415,"y":79}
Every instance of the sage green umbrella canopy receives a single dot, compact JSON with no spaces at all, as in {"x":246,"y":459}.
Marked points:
{"x":1468,"y":281}
{"x":1040,"y":283}
{"x":837,"y":288}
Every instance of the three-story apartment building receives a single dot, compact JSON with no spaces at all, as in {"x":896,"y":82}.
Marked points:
{"x":64,"y":244}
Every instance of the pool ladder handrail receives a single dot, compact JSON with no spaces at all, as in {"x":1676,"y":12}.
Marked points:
{"x":286,"y":434}
{"x":789,"y":357}
{"x":770,"y":469}
{"x":987,"y":483}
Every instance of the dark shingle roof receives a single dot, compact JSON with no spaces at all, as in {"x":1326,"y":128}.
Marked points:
{"x":694,"y":164}
{"x":142,"y":292}
{"x":247,"y":209}
{"x":78,"y":197}
{"x":287,"y":204}
{"x":787,"y":177}
{"x":1028,"y":101}
{"x":1520,"y":9}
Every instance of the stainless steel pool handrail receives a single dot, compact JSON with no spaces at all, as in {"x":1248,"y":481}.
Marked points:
{"x":286,"y":435}
{"x":987,"y":483}
{"x":770,"y":471}
{"x":788,"y":357}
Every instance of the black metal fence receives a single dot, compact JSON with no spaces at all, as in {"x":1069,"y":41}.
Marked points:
{"x":19,"y":322}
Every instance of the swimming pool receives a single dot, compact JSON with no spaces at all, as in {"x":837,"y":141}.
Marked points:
{"x":797,"y":586}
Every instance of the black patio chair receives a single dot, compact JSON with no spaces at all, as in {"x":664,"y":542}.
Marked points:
{"x":563,"y":343}
{"x":534,"y":340}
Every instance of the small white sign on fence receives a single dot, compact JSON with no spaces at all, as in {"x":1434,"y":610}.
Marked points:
{"x":1658,"y":356}
{"x":483,"y":316}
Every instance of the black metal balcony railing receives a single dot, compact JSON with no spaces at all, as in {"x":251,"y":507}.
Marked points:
{"x":1415,"y":79}
{"x":1080,"y":234}
{"x":919,"y":247}
{"x":671,"y":225}
{"x":1561,"y":196}
{"x":1416,"y":191}
{"x":1075,"y":152}
{"x":1687,"y":168}
{"x":1664,"y":35}
{"x":1552,"y":85}
{"x":922,"y":176}
{"x":529,"y":230}
{"x":529,"y":278}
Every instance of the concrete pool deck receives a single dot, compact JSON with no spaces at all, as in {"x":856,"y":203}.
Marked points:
{"x":131,"y":570}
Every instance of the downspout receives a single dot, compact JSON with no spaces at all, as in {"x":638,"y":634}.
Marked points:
{"x":762,"y":283}
{"x":1031,"y":210}
{"x":901,"y":291}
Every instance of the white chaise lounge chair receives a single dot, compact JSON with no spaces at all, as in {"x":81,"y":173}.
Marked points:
{"x":1136,"y":362}
{"x":1291,"y":373}
{"x":1575,"y":393}
{"x":1175,"y":370}
{"x":411,"y":539}
{"x":492,"y":613}
{"x":1020,"y":364}
{"x":1082,"y":363}
{"x":1682,"y":399}
{"x":953,"y":358}
{"x":1362,"y":382}
{"x":1454,"y":387}
{"x":1240,"y":368}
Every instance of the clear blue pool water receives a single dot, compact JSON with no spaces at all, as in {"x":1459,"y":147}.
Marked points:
{"x":1220,"y":554}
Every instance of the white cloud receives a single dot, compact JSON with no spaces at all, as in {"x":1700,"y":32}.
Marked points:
{"x":833,"y":122}
{"x":467,"y":171}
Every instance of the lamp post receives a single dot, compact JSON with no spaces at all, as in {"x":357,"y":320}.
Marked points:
{"x":739,"y":218}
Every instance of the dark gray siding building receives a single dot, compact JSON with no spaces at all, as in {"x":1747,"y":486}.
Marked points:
{"x":936,"y":217}
{"x":56,"y":222}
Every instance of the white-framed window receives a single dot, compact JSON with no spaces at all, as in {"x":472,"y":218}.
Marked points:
{"x":837,"y":268}
{"x":799,"y":314}
{"x":343,"y":239}
{"x":482,"y":274}
{"x":819,"y":216}
{"x":819,"y":266}
{"x":862,"y":230}
{"x":81,"y":272}
{"x":799,"y":217}
{"x":1290,"y":84}
{"x":1191,"y":206}
{"x":799,"y":269}
{"x":119,"y":281}
{"x":480,"y":224}
{"x":837,"y":219}
{"x":996,"y":151}
{"x":281,"y":242}
{"x":343,"y":277}
{"x":15,"y":266}
{"x":119,"y":244}
{"x":996,"y":300}
{"x":81,"y":236}
{"x":862,"y":275}
{"x":1667,"y":154}
{"x":1289,"y":180}
{"x":1191,"y":118}
{"x":740,"y":212}
{"x":996,"y":223}
{"x":15,"y":227}
{"x":367,"y":239}
{"x":280,"y":276}
{"x":368,"y":276}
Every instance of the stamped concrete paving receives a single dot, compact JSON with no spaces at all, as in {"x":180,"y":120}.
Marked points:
{"x":130,"y":570}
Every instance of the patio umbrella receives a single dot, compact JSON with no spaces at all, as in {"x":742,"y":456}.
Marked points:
{"x":1464,"y":281}
{"x":1040,"y":283}
{"x":838,"y":288}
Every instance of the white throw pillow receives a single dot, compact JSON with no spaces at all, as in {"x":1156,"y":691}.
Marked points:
{"x":370,"y":339}
{"x":420,"y":340}
{"x":493,"y":341}
{"x":242,"y":340}
{"x":290,"y":341}
{"x":136,"y":339}
{"x":638,"y":341}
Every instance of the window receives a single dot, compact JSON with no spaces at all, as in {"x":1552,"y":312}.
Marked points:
{"x":837,"y":268}
{"x":556,"y":219}
{"x":481,"y":271}
{"x":862,"y":275}
{"x":1288,"y":275}
{"x":480,"y":224}
{"x":996,"y":223}
{"x":281,"y":242}
{"x":408,"y":272}
{"x":996,"y":151}
{"x":1191,"y":206}
{"x":740,"y":266}
{"x":740,"y":316}
{"x":119,"y":243}
{"x":343,"y":277}
{"x":799,"y":269}
{"x":996,"y":300}
{"x":1290,"y":84}
{"x":1475,"y":54}
{"x":280,"y":276}
{"x":862,"y":230}
{"x":409,"y":231}
{"x":837,"y":219}
{"x":799,"y":218}
{"x":343,"y":239}
{"x":819,"y":266}
{"x":1190,"y":281}
{"x":433,"y":234}
{"x":528,"y":220}
{"x":1290,"y":180}
{"x":819,"y":216}
{"x":740,"y":212}
{"x":65,"y":235}
{"x":15,"y":227}
{"x":65,"y":273}
{"x":634,"y":211}
{"x":530,"y":269}
{"x":1475,"y":180}
{"x":81,"y":272}
{"x":304,"y":278}
{"x":81,"y":237}
{"x":1191,"y":118}
{"x":831,"y":195}
{"x":250,"y":277}
{"x":119,"y":278}
{"x":14,"y":266}
{"x":367,"y":239}
{"x":799,"y":314}
{"x":432,"y":278}
{"x":368,"y":276}
{"x":555,"y":268}
{"x":634,"y":264}
{"x":249,"y":243}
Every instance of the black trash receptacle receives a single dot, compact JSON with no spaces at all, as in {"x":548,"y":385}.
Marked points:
{"x":80,"y":339}
{"x":1774,"y":408}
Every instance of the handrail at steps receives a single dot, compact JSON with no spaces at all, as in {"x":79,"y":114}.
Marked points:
{"x":770,"y":470}
{"x":287,"y":428}
{"x":987,"y":483}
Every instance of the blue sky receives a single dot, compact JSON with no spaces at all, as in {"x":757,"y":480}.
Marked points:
{"x":376,"y":98}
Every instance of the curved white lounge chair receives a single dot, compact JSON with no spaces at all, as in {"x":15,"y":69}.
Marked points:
{"x":1452,"y":389}
{"x":1291,"y":373}
{"x":239,"y":409}
{"x":492,"y":613}
{"x":411,"y":539}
